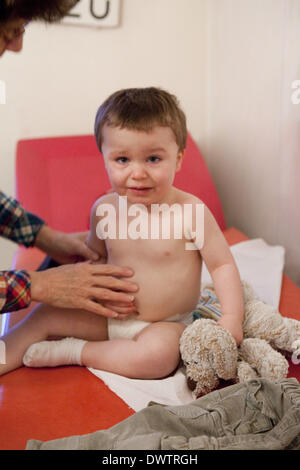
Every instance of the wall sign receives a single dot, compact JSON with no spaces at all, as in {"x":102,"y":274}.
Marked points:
{"x":95,"y":13}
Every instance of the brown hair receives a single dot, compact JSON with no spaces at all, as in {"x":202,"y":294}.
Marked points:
{"x":47,"y":10}
{"x":142,"y":109}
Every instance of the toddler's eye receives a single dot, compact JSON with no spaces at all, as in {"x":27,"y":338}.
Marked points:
{"x":154,"y":159}
{"x":122,"y":159}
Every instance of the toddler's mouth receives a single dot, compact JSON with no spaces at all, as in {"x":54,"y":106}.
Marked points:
{"x":141,"y":189}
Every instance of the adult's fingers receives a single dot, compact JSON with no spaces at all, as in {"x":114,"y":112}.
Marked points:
{"x":123,"y":308}
{"x":108,"y":295}
{"x":110,"y":282}
{"x":110,"y":269}
{"x":85,"y":252}
{"x":99,"y":309}
{"x":106,"y":275}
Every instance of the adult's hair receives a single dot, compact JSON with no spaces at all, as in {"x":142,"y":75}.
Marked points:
{"x":141,"y":109}
{"x":45,"y":10}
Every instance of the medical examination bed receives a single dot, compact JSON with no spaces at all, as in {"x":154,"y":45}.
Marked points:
{"x":59,"y":179}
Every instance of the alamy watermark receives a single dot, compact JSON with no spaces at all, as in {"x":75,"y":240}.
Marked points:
{"x":296,"y":353}
{"x":185,"y":217}
{"x":2,"y":92}
{"x":2,"y":352}
{"x":295,"y":98}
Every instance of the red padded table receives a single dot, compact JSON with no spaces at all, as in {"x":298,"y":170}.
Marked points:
{"x":53,"y":403}
{"x":59,"y":179}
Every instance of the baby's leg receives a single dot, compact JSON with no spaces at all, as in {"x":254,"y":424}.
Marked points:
{"x":46,"y":321}
{"x":152,"y":354}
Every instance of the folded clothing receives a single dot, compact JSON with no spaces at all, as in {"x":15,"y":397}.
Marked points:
{"x":254,"y":415}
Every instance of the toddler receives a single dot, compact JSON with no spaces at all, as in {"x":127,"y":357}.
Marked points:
{"x":146,"y":223}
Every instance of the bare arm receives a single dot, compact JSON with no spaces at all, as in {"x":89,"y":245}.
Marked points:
{"x":93,"y":242}
{"x":225,"y":276}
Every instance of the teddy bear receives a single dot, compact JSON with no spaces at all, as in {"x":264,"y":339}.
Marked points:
{"x":210,"y":354}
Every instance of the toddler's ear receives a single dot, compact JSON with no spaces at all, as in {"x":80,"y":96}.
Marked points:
{"x":179,"y":160}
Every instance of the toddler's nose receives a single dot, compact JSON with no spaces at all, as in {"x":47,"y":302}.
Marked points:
{"x":138,"y":172}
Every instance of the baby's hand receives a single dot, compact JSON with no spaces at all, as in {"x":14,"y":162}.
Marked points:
{"x":233,"y":325}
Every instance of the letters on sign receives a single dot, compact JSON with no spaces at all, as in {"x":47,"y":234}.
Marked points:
{"x":95,"y":13}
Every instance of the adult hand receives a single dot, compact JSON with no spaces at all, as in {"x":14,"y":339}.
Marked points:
{"x":85,"y":285}
{"x":123,"y":309}
{"x":63,"y":247}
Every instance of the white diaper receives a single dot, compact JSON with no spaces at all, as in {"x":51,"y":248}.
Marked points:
{"x":131,"y":327}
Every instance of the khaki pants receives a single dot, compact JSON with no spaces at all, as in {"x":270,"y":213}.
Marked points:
{"x":258,"y":414}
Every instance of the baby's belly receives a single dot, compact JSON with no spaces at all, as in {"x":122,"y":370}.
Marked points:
{"x":163,"y":293}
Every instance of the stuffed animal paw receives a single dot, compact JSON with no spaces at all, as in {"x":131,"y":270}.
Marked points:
{"x":264,"y":321}
{"x":209,"y":354}
{"x":263,"y":359}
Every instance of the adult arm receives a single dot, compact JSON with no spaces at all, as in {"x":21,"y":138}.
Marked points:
{"x":14,"y":290}
{"x":22,"y":227}
{"x":81,"y":285}
{"x":16,"y":223}
{"x":27,"y":229}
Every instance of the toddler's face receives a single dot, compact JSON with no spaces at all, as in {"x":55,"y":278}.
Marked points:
{"x":141,"y":165}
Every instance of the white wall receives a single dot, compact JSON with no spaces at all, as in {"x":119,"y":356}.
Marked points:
{"x":230,"y":62}
{"x":56,"y":84}
{"x":253,"y":140}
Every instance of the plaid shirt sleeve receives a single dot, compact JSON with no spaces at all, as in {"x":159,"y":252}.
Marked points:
{"x":17,"y":224}
{"x":14,"y":290}
{"x":21,"y":227}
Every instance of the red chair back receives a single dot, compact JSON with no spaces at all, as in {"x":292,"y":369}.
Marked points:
{"x":59,"y":179}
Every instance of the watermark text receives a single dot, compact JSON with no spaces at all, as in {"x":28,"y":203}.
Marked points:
{"x":295,"y":98}
{"x":162,"y":221}
{"x":296,"y":353}
{"x":2,"y":92}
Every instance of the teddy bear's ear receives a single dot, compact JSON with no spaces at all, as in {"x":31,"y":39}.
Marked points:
{"x":224,"y":352}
